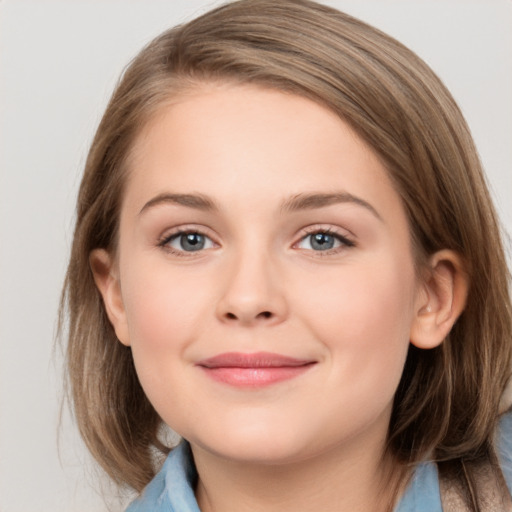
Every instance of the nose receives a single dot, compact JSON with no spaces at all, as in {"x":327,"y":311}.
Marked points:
{"x":253,"y":292}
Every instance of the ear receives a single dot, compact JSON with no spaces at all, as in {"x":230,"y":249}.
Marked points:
{"x":440,"y":301}
{"x":106,"y":277}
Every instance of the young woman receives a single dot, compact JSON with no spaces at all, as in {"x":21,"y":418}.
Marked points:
{"x":286,"y":252}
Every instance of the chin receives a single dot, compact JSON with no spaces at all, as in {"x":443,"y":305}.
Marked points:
{"x":255,"y":445}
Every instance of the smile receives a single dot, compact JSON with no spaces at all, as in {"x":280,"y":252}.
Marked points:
{"x":253,"y":370}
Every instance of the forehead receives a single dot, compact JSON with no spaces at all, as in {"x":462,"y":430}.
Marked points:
{"x":246,"y":142}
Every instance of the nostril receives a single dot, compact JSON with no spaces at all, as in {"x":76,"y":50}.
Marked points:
{"x":262,"y":315}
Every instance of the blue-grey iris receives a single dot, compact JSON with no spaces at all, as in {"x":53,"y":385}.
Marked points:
{"x":322,"y":241}
{"x":192,"y":241}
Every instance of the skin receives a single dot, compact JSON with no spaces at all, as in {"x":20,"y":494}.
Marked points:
{"x":316,"y":441}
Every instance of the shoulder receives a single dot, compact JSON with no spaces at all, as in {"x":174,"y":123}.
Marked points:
{"x":423,"y":492}
{"x":172,"y":488}
{"x":504,"y":445}
{"x":153,"y":497}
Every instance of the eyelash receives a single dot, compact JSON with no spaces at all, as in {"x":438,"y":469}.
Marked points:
{"x":166,"y":240}
{"x":345,"y":243}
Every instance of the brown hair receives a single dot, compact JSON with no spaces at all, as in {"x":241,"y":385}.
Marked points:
{"x":447,"y":403}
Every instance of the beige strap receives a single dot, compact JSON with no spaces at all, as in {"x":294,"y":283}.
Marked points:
{"x":473,"y":487}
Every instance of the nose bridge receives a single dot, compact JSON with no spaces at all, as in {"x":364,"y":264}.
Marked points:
{"x":252,"y":287}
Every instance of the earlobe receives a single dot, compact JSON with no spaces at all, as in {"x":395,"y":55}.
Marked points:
{"x":441,"y":301}
{"x":107,"y":281}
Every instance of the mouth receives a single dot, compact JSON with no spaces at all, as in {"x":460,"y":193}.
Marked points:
{"x":253,"y":370}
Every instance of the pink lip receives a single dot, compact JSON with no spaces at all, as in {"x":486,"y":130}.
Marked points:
{"x":253,"y":370}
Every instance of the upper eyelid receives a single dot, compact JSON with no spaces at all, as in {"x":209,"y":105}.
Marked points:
{"x":173,"y":236}
{"x":346,"y":239}
{"x":330,"y":229}
{"x":164,"y":243}
{"x":333,"y":230}
{"x":186,"y":228}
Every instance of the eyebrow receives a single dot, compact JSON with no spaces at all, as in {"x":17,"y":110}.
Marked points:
{"x":196,"y":201}
{"x":320,"y":200}
{"x":297,"y":202}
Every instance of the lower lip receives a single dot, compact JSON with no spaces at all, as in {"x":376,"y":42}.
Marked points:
{"x":255,"y":377}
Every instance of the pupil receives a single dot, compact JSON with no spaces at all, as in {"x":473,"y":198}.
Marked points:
{"x":192,"y":241}
{"x":322,"y":241}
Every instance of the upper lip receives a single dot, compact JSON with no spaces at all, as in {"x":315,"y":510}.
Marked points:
{"x":252,"y":360}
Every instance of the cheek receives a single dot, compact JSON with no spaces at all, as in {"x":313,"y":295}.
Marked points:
{"x":164,"y":314}
{"x":364,"y":316}
{"x":164,"y":311}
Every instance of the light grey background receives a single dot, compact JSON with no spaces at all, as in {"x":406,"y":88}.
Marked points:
{"x":59,"y":61}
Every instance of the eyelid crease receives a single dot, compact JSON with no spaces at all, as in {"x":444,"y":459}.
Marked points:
{"x":164,"y":243}
{"x":311,"y":230}
{"x":345,"y":234}
{"x":183,"y":230}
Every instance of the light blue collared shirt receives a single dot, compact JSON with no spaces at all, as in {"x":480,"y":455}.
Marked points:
{"x":172,"y":489}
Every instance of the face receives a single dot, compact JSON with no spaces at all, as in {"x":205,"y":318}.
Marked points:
{"x":264,"y":276}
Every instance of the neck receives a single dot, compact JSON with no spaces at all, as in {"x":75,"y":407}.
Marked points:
{"x":338,"y":480}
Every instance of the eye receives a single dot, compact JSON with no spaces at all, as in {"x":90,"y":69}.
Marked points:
{"x":323,"y":241}
{"x":190,"y":241}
